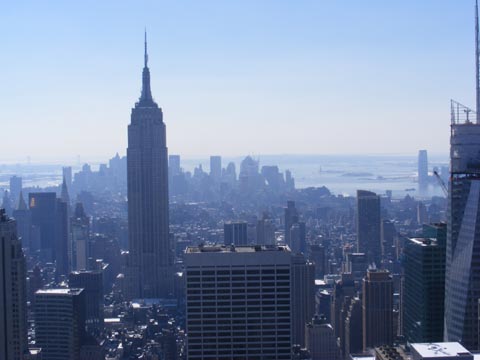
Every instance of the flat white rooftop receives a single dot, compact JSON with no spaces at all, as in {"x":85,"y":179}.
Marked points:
{"x":234,"y":249}
{"x":440,"y":350}
{"x":59,"y":291}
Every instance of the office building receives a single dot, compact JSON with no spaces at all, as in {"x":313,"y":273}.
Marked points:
{"x":298,"y":237}
{"x":303,"y":296}
{"x":67,"y":177}
{"x":357,"y":265}
{"x":80,"y":234}
{"x":377,"y":309}
{"x":369,"y":226}
{"x":265,"y":231}
{"x":215,"y":167}
{"x":7,"y":203}
{"x":462,"y":281}
{"x":317,"y":255}
{"x":320,"y":340}
{"x":291,"y":217}
{"x":422,"y":169}
{"x":13,"y":292}
{"x":424,"y":290}
{"x":49,"y":216}
{"x":92,"y":284}
{"x":150,"y":273}
{"x":295,"y":232}
{"x":60,"y":323}
{"x":16,"y":186}
{"x":353,"y":333}
{"x":174,"y":165}
{"x":62,"y":248}
{"x":289,"y":181}
{"x":235,"y":232}
{"x":239,"y":302}
{"x":388,"y":234}
{"x":24,"y":223}
{"x":273,"y":178}
{"x":343,"y":290}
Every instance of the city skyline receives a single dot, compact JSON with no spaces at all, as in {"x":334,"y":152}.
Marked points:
{"x":234,"y":54}
{"x":314,"y":255}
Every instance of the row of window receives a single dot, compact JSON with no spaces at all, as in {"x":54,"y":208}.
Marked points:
{"x":237,"y":278}
{"x":237,"y":303}
{"x":266,"y":324}
{"x":196,"y":337}
{"x":257,"y":316}
{"x":212,"y":343}
{"x":279,"y":270}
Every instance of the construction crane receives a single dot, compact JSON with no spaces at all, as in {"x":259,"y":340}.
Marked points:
{"x":440,"y":181}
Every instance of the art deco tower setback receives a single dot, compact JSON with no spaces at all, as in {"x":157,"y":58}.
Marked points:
{"x":150,"y":259}
{"x":462,"y":282}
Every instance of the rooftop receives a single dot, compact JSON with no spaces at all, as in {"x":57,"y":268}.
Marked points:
{"x":424,"y":241}
{"x":440,"y":350}
{"x":59,"y":291}
{"x":235,"y":249}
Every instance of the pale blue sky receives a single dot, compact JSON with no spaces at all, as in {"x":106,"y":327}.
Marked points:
{"x":234,"y":77}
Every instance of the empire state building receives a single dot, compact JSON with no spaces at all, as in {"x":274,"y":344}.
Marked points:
{"x":150,"y":268}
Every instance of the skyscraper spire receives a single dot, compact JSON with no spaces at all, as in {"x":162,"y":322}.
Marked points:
{"x":146,"y":98}
{"x":477,"y":65}
{"x":146,"y":54}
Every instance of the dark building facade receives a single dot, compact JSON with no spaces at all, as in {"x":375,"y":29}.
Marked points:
{"x":150,"y":258}
{"x":377,"y":309}
{"x":92,"y":284}
{"x":13,"y":292}
{"x":235,"y":233}
{"x":49,"y":218}
{"x":60,"y":322}
{"x":424,"y":290}
{"x":369,"y":226}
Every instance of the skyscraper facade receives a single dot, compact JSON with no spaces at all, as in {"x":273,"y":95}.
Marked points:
{"x":16,"y":186}
{"x":317,"y":255}
{"x":239,"y":302}
{"x":265,"y":231}
{"x":174,"y":165}
{"x":320,"y":340}
{"x":13,"y":292}
{"x":424,"y":290}
{"x":422,"y":169}
{"x":22,"y":216}
{"x":92,"y":283}
{"x":150,"y":257}
{"x":353,"y":332}
{"x":215,"y":167}
{"x":50,"y":216}
{"x":377,"y":309}
{"x":303,"y":296}
{"x":80,"y":233}
{"x":462,"y":287}
{"x":60,"y":322}
{"x":235,"y":232}
{"x":291,"y":217}
{"x":369,"y":226}
{"x":462,"y":280}
{"x":42,"y":210}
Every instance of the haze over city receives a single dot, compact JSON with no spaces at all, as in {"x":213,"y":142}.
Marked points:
{"x":255,"y":180}
{"x":256,"y":77}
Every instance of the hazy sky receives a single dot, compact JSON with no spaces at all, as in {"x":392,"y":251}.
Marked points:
{"x":234,"y":77}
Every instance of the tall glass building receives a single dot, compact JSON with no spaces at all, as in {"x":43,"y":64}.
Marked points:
{"x":462,"y":283}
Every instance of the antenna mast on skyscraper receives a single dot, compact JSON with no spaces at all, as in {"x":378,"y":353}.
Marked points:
{"x":146,"y":53}
{"x":477,"y":65}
